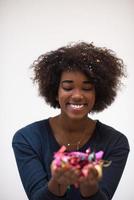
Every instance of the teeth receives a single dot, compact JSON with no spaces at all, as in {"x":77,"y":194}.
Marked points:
{"x":76,"y":106}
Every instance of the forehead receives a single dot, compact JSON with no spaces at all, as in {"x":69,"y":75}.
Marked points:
{"x":73,"y":75}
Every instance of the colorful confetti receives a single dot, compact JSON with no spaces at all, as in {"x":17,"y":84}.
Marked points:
{"x":80,"y":160}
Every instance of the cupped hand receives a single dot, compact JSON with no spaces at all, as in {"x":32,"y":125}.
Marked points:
{"x":89,"y":182}
{"x":65,"y":175}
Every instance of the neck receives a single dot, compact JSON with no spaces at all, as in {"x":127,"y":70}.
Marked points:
{"x":73,"y":126}
{"x":72,"y":133}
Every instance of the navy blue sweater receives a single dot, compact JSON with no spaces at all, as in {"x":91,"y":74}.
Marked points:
{"x":35,"y":144}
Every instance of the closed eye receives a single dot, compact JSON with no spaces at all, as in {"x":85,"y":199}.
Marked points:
{"x":88,"y":88}
{"x":67,"y":89}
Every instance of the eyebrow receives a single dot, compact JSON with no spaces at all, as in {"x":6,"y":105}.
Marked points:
{"x":70,"y":81}
{"x":67,"y":81}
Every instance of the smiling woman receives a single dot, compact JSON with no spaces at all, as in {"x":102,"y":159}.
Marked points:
{"x":78,"y":79}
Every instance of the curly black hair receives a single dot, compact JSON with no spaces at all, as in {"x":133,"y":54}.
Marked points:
{"x":101,"y":65}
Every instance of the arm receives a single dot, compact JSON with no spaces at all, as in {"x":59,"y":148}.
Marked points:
{"x":32,"y":172}
{"x":118,"y":154}
{"x":112,"y":174}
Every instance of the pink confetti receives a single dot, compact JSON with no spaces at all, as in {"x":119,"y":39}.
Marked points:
{"x":76,"y":159}
{"x":81,"y":161}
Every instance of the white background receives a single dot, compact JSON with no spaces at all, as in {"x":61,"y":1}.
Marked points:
{"x":29,"y":28}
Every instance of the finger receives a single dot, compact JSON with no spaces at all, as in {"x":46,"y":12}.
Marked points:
{"x":90,"y":177}
{"x":72,"y":176}
{"x":93,"y":172}
{"x":65,"y":176}
{"x":99,"y":171}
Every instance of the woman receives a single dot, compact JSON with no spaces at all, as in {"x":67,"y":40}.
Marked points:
{"x":79,"y":79}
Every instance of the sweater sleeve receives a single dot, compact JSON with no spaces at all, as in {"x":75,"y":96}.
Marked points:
{"x":32,"y":171}
{"x":117,"y":153}
{"x":97,"y":196}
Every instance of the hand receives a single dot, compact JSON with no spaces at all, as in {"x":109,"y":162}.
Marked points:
{"x":61,"y":179}
{"x":65,"y":175}
{"x":89,"y":182}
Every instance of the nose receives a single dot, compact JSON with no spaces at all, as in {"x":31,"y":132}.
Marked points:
{"x":77,"y":95}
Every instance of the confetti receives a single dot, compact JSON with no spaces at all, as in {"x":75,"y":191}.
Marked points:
{"x":80,"y":160}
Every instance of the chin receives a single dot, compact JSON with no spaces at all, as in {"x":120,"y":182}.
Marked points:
{"x":77,"y":117}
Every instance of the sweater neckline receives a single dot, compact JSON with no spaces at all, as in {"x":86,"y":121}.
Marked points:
{"x":87,"y":145}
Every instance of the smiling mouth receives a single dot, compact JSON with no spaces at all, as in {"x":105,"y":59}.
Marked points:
{"x":76,"y":106}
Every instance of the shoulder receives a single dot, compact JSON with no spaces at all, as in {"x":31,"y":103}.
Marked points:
{"x":111,"y":136}
{"x":32,"y":132}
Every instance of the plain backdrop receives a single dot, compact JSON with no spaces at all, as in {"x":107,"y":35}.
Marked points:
{"x":29,"y":28}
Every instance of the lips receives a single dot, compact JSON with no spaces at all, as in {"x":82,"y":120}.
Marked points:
{"x":77,"y":106}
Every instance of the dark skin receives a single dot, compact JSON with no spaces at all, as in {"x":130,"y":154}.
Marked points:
{"x":76,"y":96}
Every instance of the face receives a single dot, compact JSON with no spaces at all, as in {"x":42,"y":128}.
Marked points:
{"x":76,"y":95}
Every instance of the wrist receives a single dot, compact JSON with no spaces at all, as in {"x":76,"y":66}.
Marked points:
{"x":56,"y":188}
{"x":93,"y":196}
{"x":87,"y":192}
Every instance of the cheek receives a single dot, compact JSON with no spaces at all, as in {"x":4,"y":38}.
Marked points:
{"x":91,"y":98}
{"x":62,"y":96}
{"x":91,"y":94}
